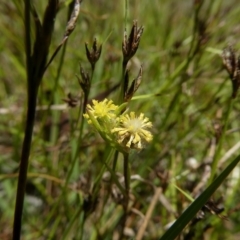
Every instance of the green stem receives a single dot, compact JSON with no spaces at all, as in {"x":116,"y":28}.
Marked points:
{"x":115,"y":160}
{"x":55,"y":115}
{"x":126,"y":173}
{"x":114,"y":179}
{"x":97,"y":182}
{"x":220,"y":142}
{"x":122,"y":85}
{"x":193,"y":50}
{"x":125,"y":13}
{"x":71,"y":223}
{"x":114,"y":165}
{"x":172,"y":106}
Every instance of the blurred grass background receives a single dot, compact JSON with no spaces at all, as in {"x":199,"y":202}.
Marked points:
{"x":187,"y":112}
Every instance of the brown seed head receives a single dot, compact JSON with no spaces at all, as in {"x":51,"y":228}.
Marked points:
{"x":94,"y":54}
{"x":84,"y":81}
{"x":130,"y":44}
{"x":129,"y":92}
{"x":232,"y":64}
{"x":229,"y":60}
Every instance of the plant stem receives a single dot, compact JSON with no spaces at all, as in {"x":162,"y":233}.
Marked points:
{"x":32,"y":99}
{"x":126,"y":174}
{"x":55,"y":116}
{"x":220,"y":143}
{"x":125,"y":13}
{"x":22,"y":178}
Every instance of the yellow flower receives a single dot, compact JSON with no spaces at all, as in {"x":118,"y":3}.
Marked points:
{"x":132,"y":130}
{"x":120,"y":130}
{"x":103,"y":109}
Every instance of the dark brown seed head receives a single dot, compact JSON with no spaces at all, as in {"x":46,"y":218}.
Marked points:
{"x":134,"y":86}
{"x":232,"y":65}
{"x":229,"y":60}
{"x":84,"y":81}
{"x":130,"y":44}
{"x":94,"y":54}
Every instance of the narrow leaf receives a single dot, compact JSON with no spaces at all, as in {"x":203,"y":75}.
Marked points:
{"x":192,"y":210}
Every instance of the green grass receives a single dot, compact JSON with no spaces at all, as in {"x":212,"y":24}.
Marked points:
{"x":77,"y":184}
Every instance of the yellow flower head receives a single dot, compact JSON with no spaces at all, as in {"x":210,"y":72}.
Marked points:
{"x":104,"y":109}
{"x":132,"y":130}
{"x":122,"y":131}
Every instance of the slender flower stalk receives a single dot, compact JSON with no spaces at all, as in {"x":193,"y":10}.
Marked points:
{"x":232,"y":64}
{"x":216,"y":157}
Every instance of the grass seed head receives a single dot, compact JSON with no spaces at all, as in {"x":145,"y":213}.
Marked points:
{"x":84,"y":81}
{"x":232,"y":64}
{"x":130,"y":44}
{"x":94,"y":54}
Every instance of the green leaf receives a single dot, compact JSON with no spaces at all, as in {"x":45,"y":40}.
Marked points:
{"x":192,"y":210}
